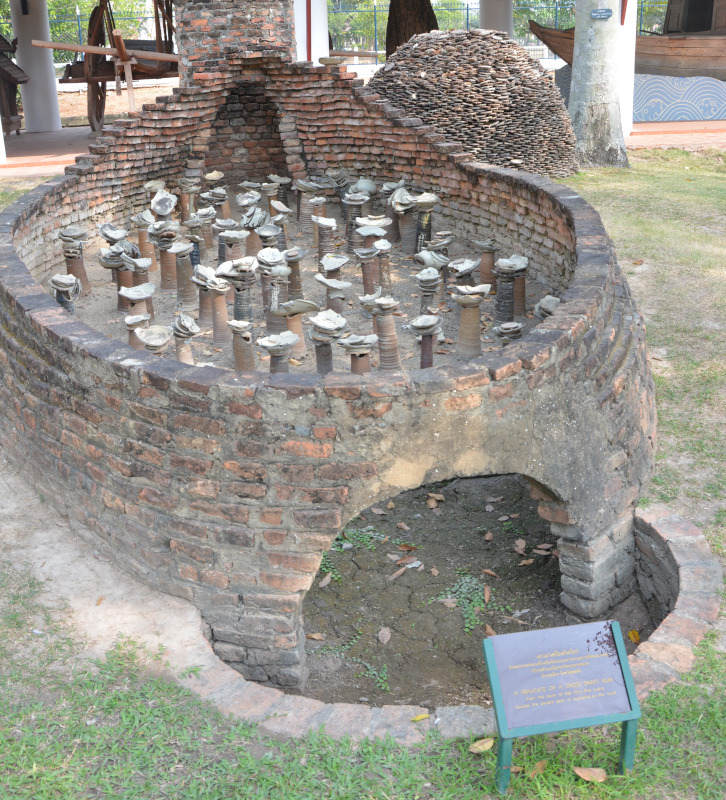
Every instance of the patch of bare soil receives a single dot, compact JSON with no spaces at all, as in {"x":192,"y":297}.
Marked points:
{"x":409,"y":629}
{"x":73,"y":105}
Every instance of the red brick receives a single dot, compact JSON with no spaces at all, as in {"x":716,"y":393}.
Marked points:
{"x":295,"y":561}
{"x":330,"y":518}
{"x":275,"y":538}
{"x":251,"y":410}
{"x":297,"y":473}
{"x":197,"y":443}
{"x":159,"y":499}
{"x":554,"y":513}
{"x":305,"y":449}
{"x":324,"y":432}
{"x":270,"y":516}
{"x":253,"y":491}
{"x":217,"y":579}
{"x":286,"y":583}
{"x":336,"y":494}
{"x":198,"y":465}
{"x":205,"y":555}
{"x":202,"y":488}
{"x":187,"y":572}
{"x":369,"y":411}
{"x":501,"y":392}
{"x":212,"y":427}
{"x":347,"y":472}
{"x":462,"y":403}
{"x":152,"y":455}
{"x":249,"y":470}
{"x":228,"y":511}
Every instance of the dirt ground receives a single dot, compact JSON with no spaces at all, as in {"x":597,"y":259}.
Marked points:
{"x":376,"y":638}
{"x":74,"y":108}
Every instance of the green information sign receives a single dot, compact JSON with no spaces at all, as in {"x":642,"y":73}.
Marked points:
{"x":560,"y":678}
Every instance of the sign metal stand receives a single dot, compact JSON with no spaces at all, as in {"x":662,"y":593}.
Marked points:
{"x":558,"y":679}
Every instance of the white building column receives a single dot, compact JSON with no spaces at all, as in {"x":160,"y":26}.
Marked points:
{"x":3,"y":157}
{"x":318,"y":30}
{"x":496,"y":15}
{"x":40,"y":95}
{"x":626,"y":82}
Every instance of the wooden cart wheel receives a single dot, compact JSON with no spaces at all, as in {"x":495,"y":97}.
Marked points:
{"x":96,"y":94}
{"x":96,"y":99}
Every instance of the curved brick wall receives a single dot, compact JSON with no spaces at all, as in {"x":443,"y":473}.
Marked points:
{"x":226,"y":489}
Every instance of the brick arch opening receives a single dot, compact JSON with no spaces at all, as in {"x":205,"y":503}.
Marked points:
{"x":245,"y":138}
{"x":467,"y":493}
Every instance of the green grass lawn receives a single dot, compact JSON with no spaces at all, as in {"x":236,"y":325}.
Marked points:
{"x":74,"y":731}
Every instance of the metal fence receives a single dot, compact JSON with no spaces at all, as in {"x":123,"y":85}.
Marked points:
{"x":361,"y":24}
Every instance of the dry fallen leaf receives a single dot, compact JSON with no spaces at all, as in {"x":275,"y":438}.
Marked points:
{"x":495,"y":499}
{"x":513,"y":516}
{"x":520,"y":546}
{"x":515,"y":769}
{"x":390,"y":505}
{"x":437,"y":496}
{"x":383,"y":541}
{"x":384,"y":635}
{"x":634,"y":636}
{"x":541,"y":552}
{"x":515,"y":619}
{"x":295,"y":362}
{"x":326,"y":580}
{"x":442,"y":352}
{"x":503,"y":519}
{"x":316,"y":636}
{"x":396,"y":574}
{"x":419,"y":717}
{"x":525,"y":562}
{"x":99,"y":601}
{"x":489,"y":508}
{"x":489,"y":630}
{"x":393,"y":556}
{"x":408,"y":547}
{"x":406,"y":560}
{"x":487,"y":594}
{"x":481,"y":746}
{"x":402,"y":526}
{"x":638,"y":262}
{"x":538,"y":768}
{"x":490,"y":572}
{"x":420,"y":568}
{"x":431,"y":503}
{"x":379,"y":511}
{"x":449,"y":602}
{"x":488,"y":536}
{"x":545,"y":546}
{"x":591,"y":774}
{"x":434,"y":571}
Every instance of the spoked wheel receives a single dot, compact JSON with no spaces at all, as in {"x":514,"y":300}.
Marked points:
{"x":96,"y":94}
{"x":96,"y":99}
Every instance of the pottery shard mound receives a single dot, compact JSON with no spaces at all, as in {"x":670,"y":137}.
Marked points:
{"x":481,"y":90}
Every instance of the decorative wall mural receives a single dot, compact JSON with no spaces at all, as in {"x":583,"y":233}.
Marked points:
{"x":659,"y":98}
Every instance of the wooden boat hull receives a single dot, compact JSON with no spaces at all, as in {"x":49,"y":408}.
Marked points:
{"x":677,"y":54}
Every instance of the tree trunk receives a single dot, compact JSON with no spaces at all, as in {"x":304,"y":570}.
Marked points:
{"x":594,"y":107}
{"x":407,"y":18}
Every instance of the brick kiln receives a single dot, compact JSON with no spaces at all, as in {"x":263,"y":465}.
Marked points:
{"x":224,"y":488}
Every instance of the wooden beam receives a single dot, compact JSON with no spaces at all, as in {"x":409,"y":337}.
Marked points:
{"x":106,"y":51}
{"x":118,"y":41}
